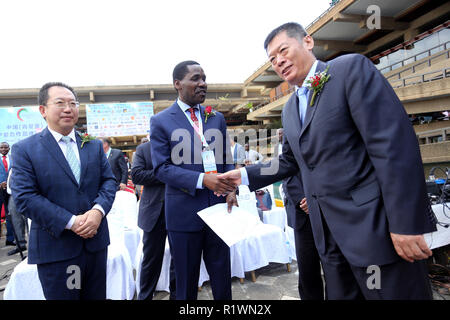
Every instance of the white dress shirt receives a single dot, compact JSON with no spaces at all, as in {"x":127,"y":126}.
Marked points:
{"x":253,"y":156}
{"x":185,"y":108}
{"x":73,"y":145}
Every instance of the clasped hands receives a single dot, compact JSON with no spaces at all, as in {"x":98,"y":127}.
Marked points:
{"x":86,"y":224}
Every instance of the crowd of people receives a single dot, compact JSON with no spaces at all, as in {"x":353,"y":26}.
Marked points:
{"x":346,"y":150}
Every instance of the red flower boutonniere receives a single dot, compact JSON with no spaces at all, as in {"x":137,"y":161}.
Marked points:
{"x":316,"y":83}
{"x":86,"y":138}
{"x":209,"y":112}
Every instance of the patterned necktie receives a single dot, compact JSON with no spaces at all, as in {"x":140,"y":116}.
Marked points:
{"x":5,"y":163}
{"x":193,"y":116}
{"x":72,"y":158}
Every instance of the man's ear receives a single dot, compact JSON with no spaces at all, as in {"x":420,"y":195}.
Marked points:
{"x":177,"y":85}
{"x":42,"y":110}
{"x":308,"y":42}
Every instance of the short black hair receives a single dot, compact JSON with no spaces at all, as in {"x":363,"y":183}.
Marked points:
{"x":43,"y":92}
{"x":180,"y":70}
{"x":293,"y":30}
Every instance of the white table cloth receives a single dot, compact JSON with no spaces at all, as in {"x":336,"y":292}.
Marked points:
{"x":24,"y":283}
{"x":124,"y":236}
{"x":264,"y":244}
{"x":164,"y":278}
{"x":277,"y":217}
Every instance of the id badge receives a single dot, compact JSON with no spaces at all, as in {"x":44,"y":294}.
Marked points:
{"x":209,"y":161}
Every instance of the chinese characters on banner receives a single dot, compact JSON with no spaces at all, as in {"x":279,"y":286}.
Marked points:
{"x":17,"y":123}
{"x":119,"y":119}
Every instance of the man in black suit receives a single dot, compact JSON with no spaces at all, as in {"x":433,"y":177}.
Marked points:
{"x":117,"y":162}
{"x":151,"y":219}
{"x":310,"y":285}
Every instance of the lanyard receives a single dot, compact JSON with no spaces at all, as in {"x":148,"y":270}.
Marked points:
{"x":198,"y":130}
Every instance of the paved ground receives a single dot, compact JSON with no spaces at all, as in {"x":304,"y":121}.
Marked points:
{"x":273,"y":282}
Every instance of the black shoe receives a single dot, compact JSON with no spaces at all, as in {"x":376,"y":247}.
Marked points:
{"x":16,"y":250}
{"x":9,"y":243}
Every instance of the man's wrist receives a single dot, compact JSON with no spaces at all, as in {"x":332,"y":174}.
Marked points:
{"x":98,"y":211}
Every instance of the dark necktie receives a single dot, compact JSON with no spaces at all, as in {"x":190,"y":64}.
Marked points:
{"x":193,"y":116}
{"x":5,"y":163}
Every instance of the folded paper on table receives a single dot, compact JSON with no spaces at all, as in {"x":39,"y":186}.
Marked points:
{"x":230,"y":227}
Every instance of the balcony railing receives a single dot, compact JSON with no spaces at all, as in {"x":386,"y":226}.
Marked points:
{"x":433,"y":136}
{"x":413,"y":68}
{"x":439,"y":74}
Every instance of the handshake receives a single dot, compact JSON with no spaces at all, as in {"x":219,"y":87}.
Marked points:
{"x":223,"y":183}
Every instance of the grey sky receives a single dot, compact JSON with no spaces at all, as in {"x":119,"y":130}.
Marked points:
{"x":96,"y":42}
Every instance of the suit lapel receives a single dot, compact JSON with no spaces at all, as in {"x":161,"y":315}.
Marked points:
{"x":54,"y":150}
{"x":293,"y":115}
{"x":84,"y":157}
{"x":179,"y":117}
{"x":311,"y":110}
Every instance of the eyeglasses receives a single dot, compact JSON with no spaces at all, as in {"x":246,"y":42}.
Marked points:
{"x":62,"y":104}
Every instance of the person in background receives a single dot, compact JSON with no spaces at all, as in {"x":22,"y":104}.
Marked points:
{"x":19,"y":222}
{"x":252,"y":156}
{"x":238,"y":152}
{"x":310,"y":284}
{"x":151,"y":220}
{"x":5,"y":167}
{"x":117,"y":162}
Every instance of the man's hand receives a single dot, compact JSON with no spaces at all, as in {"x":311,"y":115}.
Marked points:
{"x":89,"y":225}
{"x":122,"y":186}
{"x":232,"y":176}
{"x":232,"y":201}
{"x":303,"y":205}
{"x":79,"y":221}
{"x":3,"y":185}
{"x":411,"y":247}
{"x":219,"y":186}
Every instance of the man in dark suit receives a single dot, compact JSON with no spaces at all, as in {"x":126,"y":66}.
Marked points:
{"x":182,"y":140}
{"x":5,"y":168}
{"x":65,"y":190}
{"x":310,"y":285}
{"x":361,"y":169}
{"x":3,"y":179}
{"x":117,"y":162}
{"x":151,"y":221}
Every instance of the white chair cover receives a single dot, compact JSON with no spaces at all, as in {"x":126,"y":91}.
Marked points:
{"x":124,"y":236}
{"x":24,"y":283}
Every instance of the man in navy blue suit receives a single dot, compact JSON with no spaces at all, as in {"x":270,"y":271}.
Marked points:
{"x":189,"y":147}
{"x":66,"y":190}
{"x":361,"y":170}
